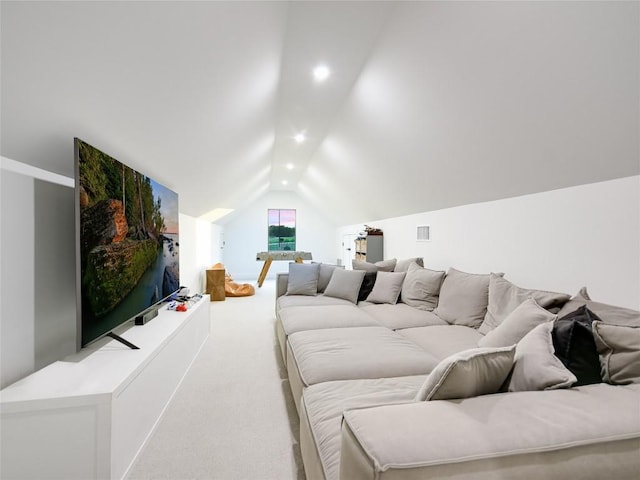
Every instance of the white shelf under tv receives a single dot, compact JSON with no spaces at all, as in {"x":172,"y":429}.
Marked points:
{"x":88,"y":416}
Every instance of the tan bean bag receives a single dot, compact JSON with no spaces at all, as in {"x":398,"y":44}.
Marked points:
{"x":233,"y":289}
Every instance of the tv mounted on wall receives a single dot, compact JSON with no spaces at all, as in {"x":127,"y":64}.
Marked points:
{"x":127,"y":244}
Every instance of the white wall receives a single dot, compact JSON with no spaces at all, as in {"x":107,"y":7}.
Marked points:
{"x":246,"y":234}
{"x":16,"y":307}
{"x":558,"y":240}
{"x":37,"y":281}
{"x":199,"y":249}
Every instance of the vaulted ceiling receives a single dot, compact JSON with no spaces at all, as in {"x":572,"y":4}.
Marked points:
{"x":428,"y":105}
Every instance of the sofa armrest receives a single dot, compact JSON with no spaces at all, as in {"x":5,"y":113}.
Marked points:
{"x":523,"y":435}
{"x":282,"y":281}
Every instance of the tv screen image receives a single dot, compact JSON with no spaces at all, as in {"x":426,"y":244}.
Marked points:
{"x":127,"y":242}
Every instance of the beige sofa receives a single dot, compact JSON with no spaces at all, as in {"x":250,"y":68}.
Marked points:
{"x":464,"y":385}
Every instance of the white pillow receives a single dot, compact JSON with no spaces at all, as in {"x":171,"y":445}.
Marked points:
{"x":518,"y":323}
{"x":479,"y":371}
{"x":387,"y":287}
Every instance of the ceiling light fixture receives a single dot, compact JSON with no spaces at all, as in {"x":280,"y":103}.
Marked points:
{"x":284,"y":182}
{"x":299,"y":137}
{"x":290,"y":166}
{"x":321,"y":73}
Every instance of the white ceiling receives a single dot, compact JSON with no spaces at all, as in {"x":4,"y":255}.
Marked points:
{"x":429,"y":105}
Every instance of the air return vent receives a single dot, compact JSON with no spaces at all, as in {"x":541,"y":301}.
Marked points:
{"x":423,"y":233}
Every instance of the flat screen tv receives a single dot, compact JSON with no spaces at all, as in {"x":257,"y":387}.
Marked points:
{"x":127,"y":244}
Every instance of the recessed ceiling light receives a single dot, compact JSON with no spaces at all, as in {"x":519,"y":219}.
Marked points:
{"x":299,"y":137}
{"x":321,"y":73}
{"x":284,"y":182}
{"x":290,"y":166}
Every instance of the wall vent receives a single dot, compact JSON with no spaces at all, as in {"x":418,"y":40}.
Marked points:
{"x":423,"y":233}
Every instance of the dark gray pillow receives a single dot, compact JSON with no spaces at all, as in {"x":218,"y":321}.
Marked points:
{"x":303,"y":278}
{"x":345,"y":284}
{"x":575,"y":346}
{"x":367,"y":285}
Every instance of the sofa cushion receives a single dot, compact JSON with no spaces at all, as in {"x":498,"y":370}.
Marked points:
{"x":608,"y":313}
{"x":324,"y":404}
{"x":536,"y":367}
{"x":585,"y":432}
{"x":619,"y":350}
{"x":574,"y":345}
{"x":504,"y":297}
{"x":298,"y":319}
{"x":421,"y":287}
{"x":387,"y":287}
{"x":469,"y":373}
{"x":303,"y":278}
{"x":400,"y":315}
{"x":403,"y":265}
{"x":286,"y":301}
{"x":356,"y":353}
{"x":443,"y":340}
{"x":381,"y":266}
{"x":463,"y":298}
{"x":518,"y":323}
{"x":345,"y":284}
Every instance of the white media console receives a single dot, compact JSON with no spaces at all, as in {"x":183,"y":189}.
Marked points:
{"x":89,"y":416}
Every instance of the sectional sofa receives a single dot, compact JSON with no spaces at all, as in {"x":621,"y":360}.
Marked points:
{"x":402,"y":372}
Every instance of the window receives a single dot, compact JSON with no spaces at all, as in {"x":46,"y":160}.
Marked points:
{"x":282,"y":230}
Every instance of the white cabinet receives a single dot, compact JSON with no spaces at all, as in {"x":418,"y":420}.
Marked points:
{"x":88,"y":416}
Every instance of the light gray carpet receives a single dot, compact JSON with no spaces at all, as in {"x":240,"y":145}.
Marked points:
{"x":233,"y":416}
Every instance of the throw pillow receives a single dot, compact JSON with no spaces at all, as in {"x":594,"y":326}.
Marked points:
{"x":521,"y":321}
{"x":536,"y":367}
{"x":574,"y":345}
{"x":610,"y":314}
{"x":381,"y":266}
{"x":326,"y":271}
{"x":479,"y":371}
{"x":421,"y":287}
{"x":403,"y":265}
{"x":387,"y":287}
{"x":345,"y":284}
{"x":367,"y":285}
{"x":303,"y":278}
{"x":463,"y":298}
{"x":504,"y":297}
{"x":619,"y":349}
